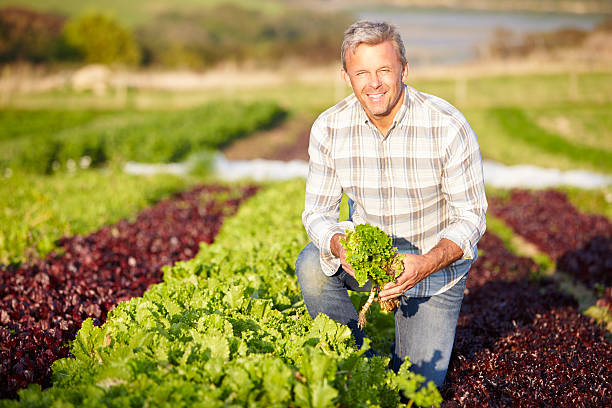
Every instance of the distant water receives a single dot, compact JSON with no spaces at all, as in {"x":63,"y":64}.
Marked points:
{"x":443,"y":36}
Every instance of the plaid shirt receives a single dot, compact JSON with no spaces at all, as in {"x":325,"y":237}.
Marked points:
{"x":420,"y":183}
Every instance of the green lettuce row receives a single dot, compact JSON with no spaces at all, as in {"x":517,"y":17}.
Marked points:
{"x":227,"y":328}
{"x":138,"y":136}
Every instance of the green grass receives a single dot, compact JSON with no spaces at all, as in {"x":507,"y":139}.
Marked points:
{"x":587,"y":123}
{"x":534,"y":90}
{"x":516,"y":125}
{"x":37,"y":210}
{"x":496,"y":143}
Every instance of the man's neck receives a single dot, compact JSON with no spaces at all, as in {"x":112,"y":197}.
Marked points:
{"x":383,"y":125}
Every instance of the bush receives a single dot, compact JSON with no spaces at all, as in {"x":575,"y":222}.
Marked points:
{"x":507,"y":43}
{"x":101,"y":39}
{"x":26,"y":35}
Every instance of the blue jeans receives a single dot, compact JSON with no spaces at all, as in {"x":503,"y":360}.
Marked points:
{"x":424,"y":327}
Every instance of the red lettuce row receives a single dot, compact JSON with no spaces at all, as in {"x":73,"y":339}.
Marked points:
{"x":520,"y":342}
{"x":547,"y":219}
{"x":560,"y":359}
{"x":581,"y":244}
{"x":42,"y":304}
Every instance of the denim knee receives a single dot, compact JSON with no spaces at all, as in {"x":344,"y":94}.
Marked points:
{"x":308,"y":271}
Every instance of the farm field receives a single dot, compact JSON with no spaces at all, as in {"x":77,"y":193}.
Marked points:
{"x":44,"y":301}
{"x":238,"y":302}
{"x":67,"y":165}
{"x":225,"y":325}
{"x":556,"y":108}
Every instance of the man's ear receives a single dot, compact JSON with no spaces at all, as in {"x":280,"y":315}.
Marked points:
{"x":346,"y":77}
{"x":405,"y":71}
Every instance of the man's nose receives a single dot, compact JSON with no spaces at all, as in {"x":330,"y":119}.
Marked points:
{"x":375,"y":81}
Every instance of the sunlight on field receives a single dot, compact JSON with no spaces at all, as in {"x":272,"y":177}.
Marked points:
{"x":571,"y":107}
{"x":157,"y":85}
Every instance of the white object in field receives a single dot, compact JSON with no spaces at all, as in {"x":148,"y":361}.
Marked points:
{"x":148,"y":169}
{"x":528,"y":176}
{"x":259,"y":169}
{"x":495,"y":174}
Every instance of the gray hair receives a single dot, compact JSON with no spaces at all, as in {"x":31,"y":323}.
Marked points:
{"x":371,"y":33}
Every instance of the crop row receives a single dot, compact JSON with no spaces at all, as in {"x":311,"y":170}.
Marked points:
{"x":70,"y":204}
{"x":581,"y":244}
{"x":229,"y":328}
{"x":520,"y":342}
{"x":73,"y":139}
{"x":43,"y":303}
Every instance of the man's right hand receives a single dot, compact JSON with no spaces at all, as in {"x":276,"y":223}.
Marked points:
{"x":338,"y":250}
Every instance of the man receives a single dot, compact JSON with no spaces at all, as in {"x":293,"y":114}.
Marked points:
{"x":411,"y":165}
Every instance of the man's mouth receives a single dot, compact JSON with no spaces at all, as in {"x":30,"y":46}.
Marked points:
{"x":376,"y":96}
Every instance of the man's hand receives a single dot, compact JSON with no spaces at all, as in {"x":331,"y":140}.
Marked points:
{"x":418,"y":267}
{"x":338,"y":250}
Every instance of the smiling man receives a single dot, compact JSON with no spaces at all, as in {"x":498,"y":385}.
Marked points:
{"x":410,"y":164}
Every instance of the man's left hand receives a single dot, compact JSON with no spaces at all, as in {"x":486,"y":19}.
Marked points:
{"x":416,"y":268}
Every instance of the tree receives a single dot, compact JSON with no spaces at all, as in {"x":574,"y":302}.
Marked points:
{"x":101,"y":39}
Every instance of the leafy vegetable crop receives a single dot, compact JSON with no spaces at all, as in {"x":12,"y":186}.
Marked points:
{"x":69,"y":204}
{"x":163,"y":136}
{"x":372,"y":256}
{"x":228,"y":328}
{"x":43,"y":303}
{"x":520,"y":342}
{"x":581,"y":244}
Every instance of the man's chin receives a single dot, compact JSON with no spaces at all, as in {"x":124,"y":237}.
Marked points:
{"x":379,"y":113}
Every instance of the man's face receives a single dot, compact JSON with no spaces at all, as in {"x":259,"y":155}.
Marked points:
{"x":376,"y":75}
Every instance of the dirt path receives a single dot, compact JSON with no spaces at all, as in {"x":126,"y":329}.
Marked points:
{"x":287,"y":142}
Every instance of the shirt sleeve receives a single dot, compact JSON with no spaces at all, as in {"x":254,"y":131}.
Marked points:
{"x":463,"y":188}
{"x":323,"y":197}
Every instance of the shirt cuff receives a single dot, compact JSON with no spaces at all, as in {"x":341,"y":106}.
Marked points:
{"x":459,"y":237}
{"x":329,"y":262}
